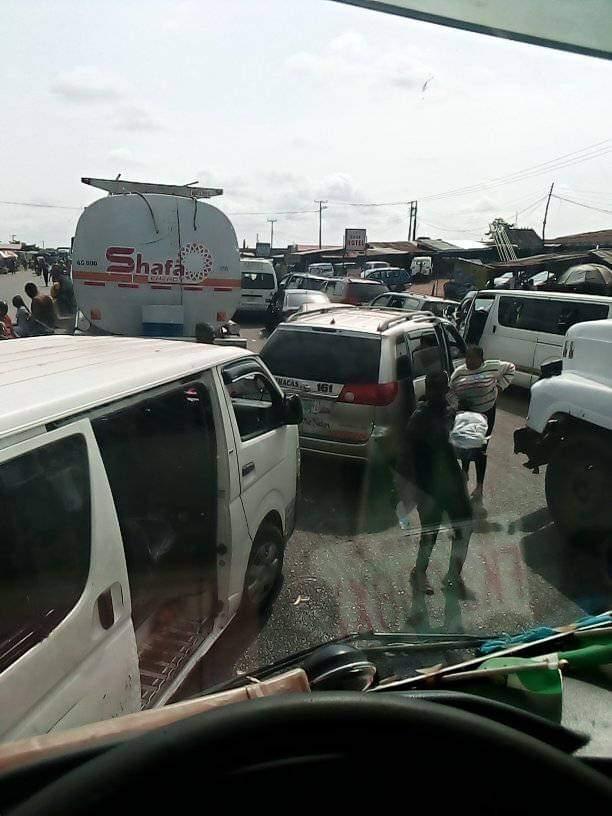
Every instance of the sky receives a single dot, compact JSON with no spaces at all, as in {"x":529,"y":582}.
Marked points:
{"x":282,"y":102}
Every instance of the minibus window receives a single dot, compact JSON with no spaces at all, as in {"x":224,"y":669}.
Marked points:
{"x":160,"y":459}
{"x":44,"y":558}
{"x":478,"y":318}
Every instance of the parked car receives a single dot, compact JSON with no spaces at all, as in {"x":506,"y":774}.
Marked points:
{"x":359,"y":373}
{"x":505,"y":281}
{"x":300,"y":280}
{"x":323,"y":270}
{"x":259,"y":285}
{"x":370,"y":266}
{"x":355,"y":291}
{"x":440,"y":307}
{"x":293,"y":300}
{"x":591,"y":279}
{"x":528,"y":328}
{"x":148,"y":490}
{"x":342,"y":270}
{"x":394,"y":277}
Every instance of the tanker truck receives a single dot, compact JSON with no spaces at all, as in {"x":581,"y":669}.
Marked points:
{"x":154,"y":260}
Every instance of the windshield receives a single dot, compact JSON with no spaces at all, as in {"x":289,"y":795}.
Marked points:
{"x":258,"y":280}
{"x":294,"y":299}
{"x":411,"y":303}
{"x":203,"y":470}
{"x":364,"y":292}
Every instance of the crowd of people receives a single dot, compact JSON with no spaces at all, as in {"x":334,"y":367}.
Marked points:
{"x":45,"y":311}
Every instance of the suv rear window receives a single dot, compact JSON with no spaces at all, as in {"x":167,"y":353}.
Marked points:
{"x":363,"y":292}
{"x":319,"y":356}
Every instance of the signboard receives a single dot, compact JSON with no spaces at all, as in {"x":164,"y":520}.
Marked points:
{"x":355,"y":240}
{"x":262,"y":250}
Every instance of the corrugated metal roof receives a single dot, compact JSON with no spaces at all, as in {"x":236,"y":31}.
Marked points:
{"x":465,"y":243}
{"x":43,"y":379}
{"x":395,"y":246}
{"x":539,"y":260}
{"x":591,"y":239}
{"x":437,"y":244}
{"x":603,"y":255}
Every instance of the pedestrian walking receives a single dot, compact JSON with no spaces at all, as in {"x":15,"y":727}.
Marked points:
{"x":475,"y":386}
{"x":23,"y":318}
{"x":428,"y":461}
{"x":43,"y":310}
{"x":43,"y":268}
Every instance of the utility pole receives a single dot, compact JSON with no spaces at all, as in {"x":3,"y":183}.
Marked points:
{"x":546,"y":212}
{"x":412,"y":221}
{"x":272,"y":222}
{"x":321,"y":204}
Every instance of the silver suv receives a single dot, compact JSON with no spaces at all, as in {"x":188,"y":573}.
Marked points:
{"x":359,"y":372}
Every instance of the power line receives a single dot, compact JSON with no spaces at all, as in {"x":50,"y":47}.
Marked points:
{"x":580,"y":204}
{"x":276,"y":212}
{"x":566,"y":160}
{"x":585,"y":154}
{"x":36,"y":204}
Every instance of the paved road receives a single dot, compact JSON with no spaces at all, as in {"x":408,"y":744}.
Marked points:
{"x":347,"y":564}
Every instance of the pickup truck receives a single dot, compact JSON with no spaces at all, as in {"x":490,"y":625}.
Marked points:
{"x":569,"y":429}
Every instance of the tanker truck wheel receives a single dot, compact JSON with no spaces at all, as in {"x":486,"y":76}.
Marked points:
{"x":578,"y":485}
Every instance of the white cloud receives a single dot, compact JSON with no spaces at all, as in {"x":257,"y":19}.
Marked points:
{"x":348,"y":61}
{"x":135,"y":118}
{"x":88,"y":84}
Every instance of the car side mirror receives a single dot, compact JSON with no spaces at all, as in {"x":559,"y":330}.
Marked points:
{"x":293,"y":412}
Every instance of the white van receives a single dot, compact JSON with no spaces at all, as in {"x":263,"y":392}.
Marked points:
{"x":259,"y":285}
{"x":528,"y":328}
{"x":148,"y":488}
{"x":323,"y":270}
{"x":421,"y":265}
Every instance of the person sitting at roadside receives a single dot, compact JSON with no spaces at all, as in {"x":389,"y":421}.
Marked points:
{"x":7,"y":323}
{"x":43,"y":310}
{"x":23,"y":318}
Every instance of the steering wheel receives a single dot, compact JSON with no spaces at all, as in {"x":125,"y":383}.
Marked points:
{"x":307,"y":749}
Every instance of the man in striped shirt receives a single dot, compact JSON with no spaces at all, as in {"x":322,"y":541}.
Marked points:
{"x":475,"y":387}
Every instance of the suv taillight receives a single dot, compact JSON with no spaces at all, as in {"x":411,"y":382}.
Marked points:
{"x":369,"y":394}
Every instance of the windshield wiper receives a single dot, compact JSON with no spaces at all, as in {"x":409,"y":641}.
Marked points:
{"x":379,"y":642}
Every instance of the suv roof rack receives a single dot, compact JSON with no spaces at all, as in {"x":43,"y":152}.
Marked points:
{"x":321,"y":310}
{"x":418,"y":316}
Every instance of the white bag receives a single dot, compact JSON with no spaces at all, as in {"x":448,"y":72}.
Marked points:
{"x":469,"y":430}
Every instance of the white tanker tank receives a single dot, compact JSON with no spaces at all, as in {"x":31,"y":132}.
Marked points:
{"x":152,"y":259}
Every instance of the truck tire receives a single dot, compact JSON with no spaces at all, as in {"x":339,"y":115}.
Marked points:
{"x":265,"y":567}
{"x":577,"y":484}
